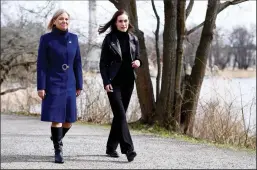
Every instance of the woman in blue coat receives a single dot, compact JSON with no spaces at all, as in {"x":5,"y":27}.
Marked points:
{"x":59,"y":78}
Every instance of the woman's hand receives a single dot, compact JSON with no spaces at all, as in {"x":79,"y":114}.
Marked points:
{"x":108,"y":88}
{"x":41,"y":94}
{"x":135,"y":64}
{"x":78,"y":92}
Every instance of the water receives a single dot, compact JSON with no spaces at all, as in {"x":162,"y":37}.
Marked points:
{"x":241,"y":92}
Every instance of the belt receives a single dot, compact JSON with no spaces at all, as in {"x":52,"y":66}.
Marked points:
{"x":65,"y":66}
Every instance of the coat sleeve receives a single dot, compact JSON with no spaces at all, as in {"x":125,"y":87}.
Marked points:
{"x":104,"y":62}
{"x":77,"y":67}
{"x":42,"y":64}
{"x":137,"y":57}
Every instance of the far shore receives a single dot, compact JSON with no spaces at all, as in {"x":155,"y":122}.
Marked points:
{"x":237,"y":73}
{"x":226,"y":73}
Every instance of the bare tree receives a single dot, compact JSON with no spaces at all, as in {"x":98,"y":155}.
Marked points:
{"x":180,"y":73}
{"x":163,"y":111}
{"x":41,"y":12}
{"x":193,"y":88}
{"x":191,"y":43}
{"x":165,"y":105}
{"x":92,"y":21}
{"x":243,"y":46}
{"x":19,"y":43}
{"x":220,"y":52}
{"x":90,"y":58}
{"x":18,"y":53}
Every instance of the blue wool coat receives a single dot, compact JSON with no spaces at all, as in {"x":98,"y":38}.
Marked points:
{"x":59,"y":73}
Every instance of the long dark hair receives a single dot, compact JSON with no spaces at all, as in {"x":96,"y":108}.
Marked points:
{"x":112,"y":22}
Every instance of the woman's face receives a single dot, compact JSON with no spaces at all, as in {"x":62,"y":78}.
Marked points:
{"x":122,"y":23}
{"x":62,"y":21}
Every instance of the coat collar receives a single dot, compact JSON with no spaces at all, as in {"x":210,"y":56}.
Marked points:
{"x":116,"y":44}
{"x":60,"y":32}
{"x":131,"y":37}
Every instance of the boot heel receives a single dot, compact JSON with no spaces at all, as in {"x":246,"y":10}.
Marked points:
{"x":58,"y":157}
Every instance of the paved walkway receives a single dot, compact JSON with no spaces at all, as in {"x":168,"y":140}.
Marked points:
{"x":25,"y":144}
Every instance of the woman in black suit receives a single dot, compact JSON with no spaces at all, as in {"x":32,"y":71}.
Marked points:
{"x":119,"y":58}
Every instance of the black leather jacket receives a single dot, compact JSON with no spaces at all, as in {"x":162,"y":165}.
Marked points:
{"x":111,"y":56}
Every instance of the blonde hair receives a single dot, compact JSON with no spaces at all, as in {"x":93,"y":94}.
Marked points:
{"x":55,"y":16}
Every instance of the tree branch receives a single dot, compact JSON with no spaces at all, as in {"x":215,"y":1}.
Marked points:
{"x":189,"y":8}
{"x":49,"y":7}
{"x":222,"y":6}
{"x":157,"y":50}
{"x":115,"y":3}
{"x":11,"y":90}
{"x":24,"y":64}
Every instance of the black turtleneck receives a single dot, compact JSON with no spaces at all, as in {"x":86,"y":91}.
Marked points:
{"x":125,"y":75}
{"x":123,"y":38}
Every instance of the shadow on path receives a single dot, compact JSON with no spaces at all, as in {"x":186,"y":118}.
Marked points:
{"x":40,"y":158}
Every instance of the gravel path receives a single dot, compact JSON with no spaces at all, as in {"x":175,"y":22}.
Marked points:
{"x":25,"y":144}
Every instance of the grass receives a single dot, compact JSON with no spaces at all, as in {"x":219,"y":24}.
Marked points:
{"x":22,"y":114}
{"x":161,"y":132}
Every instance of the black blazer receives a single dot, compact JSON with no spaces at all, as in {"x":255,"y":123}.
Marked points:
{"x":111,"y":56}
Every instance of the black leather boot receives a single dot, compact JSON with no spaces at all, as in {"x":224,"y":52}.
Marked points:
{"x":57,"y":141}
{"x":131,"y":155}
{"x":112,"y":153}
{"x":64,"y":131}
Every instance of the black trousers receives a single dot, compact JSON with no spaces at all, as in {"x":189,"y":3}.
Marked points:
{"x":119,"y":134}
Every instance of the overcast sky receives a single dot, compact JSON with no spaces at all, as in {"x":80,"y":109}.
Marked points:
{"x":242,"y":14}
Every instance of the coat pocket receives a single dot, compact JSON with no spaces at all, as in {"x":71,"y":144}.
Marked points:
{"x":113,"y":69}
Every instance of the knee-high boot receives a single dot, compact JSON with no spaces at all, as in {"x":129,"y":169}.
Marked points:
{"x":64,"y":131}
{"x":57,"y":134}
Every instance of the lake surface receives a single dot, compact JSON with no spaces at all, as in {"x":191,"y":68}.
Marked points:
{"x":239,"y":92}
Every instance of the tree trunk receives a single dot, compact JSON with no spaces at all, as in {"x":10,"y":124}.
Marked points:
{"x":144,"y":84}
{"x":91,"y":22}
{"x":198,"y":71}
{"x":165,"y":105}
{"x":121,"y":4}
{"x":180,"y":33}
{"x":143,"y":81}
{"x":164,"y":111}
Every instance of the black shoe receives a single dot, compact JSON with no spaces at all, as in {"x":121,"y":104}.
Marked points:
{"x":113,"y":154}
{"x":131,"y":155}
